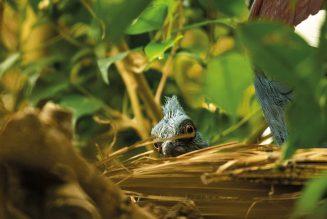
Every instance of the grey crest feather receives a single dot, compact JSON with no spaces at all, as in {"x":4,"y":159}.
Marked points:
{"x":172,"y":108}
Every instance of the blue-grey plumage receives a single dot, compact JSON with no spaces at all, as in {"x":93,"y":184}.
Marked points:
{"x":273,"y":98}
{"x":176,"y":122}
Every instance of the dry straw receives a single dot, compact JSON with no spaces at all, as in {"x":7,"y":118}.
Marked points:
{"x":225,"y":181}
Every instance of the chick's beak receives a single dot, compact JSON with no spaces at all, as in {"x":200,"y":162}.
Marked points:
{"x":170,"y":148}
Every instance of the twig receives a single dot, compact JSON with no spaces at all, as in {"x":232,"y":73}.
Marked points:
{"x":204,"y":23}
{"x":87,"y":6}
{"x":151,"y":106}
{"x":143,"y":143}
{"x":68,"y":37}
{"x":132,"y":88}
{"x":250,"y":208}
{"x":253,"y":138}
{"x":153,"y":109}
{"x":166,"y":70}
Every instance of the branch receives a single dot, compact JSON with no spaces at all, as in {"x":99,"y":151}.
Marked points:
{"x":132,"y":88}
{"x":165,"y":73}
{"x":153,"y":109}
{"x":44,"y":153}
{"x":167,"y":68}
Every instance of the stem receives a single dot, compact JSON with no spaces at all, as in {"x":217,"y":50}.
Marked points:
{"x":165,"y":72}
{"x":153,"y":109}
{"x":204,"y":23}
{"x":168,"y":65}
{"x":69,"y":38}
{"x":233,"y":128}
{"x":132,"y":88}
{"x":257,"y":134}
{"x":88,"y":7}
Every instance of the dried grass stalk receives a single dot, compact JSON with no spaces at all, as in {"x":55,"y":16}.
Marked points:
{"x":225,"y":181}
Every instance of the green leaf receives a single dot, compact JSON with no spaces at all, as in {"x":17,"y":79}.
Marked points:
{"x":196,"y":40}
{"x":117,"y":15}
{"x":156,"y":50}
{"x":279,"y":52}
{"x":188,"y":74}
{"x":105,"y":63}
{"x":228,"y":7}
{"x":48,"y":87}
{"x":151,"y":19}
{"x":36,"y":67}
{"x":80,"y":105}
{"x":9,"y":62}
{"x":43,"y":88}
{"x":310,"y":199}
{"x":287,"y":58}
{"x":227,"y":78}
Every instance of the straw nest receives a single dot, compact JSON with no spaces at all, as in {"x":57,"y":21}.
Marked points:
{"x":225,"y":181}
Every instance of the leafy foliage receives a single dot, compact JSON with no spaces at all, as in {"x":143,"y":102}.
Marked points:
{"x":9,"y":62}
{"x":313,"y":203}
{"x":105,"y":63}
{"x":152,"y":18}
{"x":111,"y":12}
{"x":228,"y":7}
{"x":206,"y":57}
{"x":287,"y":58}
{"x":156,"y":50}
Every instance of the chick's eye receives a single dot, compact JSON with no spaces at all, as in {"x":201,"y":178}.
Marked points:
{"x":157,"y":145}
{"x":189,"y":129}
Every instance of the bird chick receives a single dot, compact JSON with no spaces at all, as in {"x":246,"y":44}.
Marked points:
{"x":175,"y":122}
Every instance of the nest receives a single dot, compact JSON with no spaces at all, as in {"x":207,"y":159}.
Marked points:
{"x":224,"y":181}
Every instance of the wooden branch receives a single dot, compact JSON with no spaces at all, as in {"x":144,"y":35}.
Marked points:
{"x":153,"y":108}
{"x":137,"y":87}
{"x":38,"y":146}
{"x":132,"y":90}
{"x":165,"y":73}
{"x":167,"y":68}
